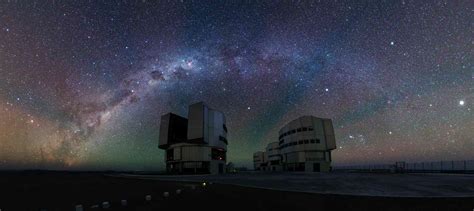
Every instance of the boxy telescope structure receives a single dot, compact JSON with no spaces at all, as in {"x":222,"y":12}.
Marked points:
{"x":197,"y":144}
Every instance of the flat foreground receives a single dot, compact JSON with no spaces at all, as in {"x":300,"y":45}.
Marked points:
{"x":364,"y":184}
{"x":62,"y":191}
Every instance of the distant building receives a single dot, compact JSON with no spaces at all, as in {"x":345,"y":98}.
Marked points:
{"x":304,"y":144}
{"x":195,"y":145}
{"x":259,"y":162}
{"x":273,"y":157}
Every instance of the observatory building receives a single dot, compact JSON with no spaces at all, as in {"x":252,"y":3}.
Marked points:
{"x":259,"y":163}
{"x":304,"y":144}
{"x":194,"y":145}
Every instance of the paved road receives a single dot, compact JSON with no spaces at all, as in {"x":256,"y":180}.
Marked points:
{"x":367,"y":184}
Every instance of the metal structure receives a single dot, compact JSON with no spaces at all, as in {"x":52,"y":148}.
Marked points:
{"x":460,"y":166}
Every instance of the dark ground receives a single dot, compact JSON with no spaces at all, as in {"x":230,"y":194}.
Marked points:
{"x":62,"y":191}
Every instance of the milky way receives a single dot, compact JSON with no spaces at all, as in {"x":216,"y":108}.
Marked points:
{"x":83,"y":84}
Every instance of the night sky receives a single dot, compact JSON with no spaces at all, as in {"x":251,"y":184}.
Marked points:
{"x":83,"y":84}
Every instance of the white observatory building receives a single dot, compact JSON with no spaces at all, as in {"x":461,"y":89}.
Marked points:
{"x":304,"y":144}
{"x":197,"y":144}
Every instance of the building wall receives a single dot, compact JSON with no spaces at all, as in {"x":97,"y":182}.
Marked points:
{"x":193,"y":156}
{"x":197,"y":118}
{"x":206,"y":125}
{"x":258,"y":160}
{"x":273,"y":157}
{"x":216,"y":132}
{"x":173,"y":129}
{"x":304,"y":144}
{"x":215,"y":167}
{"x":204,"y":145}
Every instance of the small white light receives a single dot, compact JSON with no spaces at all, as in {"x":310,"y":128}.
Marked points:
{"x":461,"y":102}
{"x":123,"y":202}
{"x":166,"y":194}
{"x":105,"y":205}
{"x":148,"y":197}
{"x":178,"y":191}
{"x":78,"y":207}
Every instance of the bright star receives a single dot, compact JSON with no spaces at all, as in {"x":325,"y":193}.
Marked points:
{"x":461,"y":102}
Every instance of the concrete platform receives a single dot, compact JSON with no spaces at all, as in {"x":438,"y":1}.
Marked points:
{"x":363,"y":184}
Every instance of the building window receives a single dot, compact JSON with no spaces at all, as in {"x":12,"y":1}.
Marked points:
{"x":300,"y":142}
{"x":304,"y":129}
{"x":281,"y":142}
{"x":313,"y":141}
{"x":217,"y":154}
{"x":318,"y":141}
{"x":310,"y":129}
{"x":298,"y":130}
{"x":306,"y":141}
{"x":292,"y":131}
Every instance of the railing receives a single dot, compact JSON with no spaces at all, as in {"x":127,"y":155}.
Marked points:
{"x":460,"y":166}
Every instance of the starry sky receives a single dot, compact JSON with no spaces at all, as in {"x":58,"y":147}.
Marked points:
{"x":83,"y":83}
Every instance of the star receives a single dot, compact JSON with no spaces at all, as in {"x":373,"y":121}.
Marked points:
{"x":111,"y":79}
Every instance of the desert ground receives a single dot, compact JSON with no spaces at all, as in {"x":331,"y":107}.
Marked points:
{"x":65,"y":190}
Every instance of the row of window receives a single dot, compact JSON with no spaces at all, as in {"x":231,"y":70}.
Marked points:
{"x":301,"y":129}
{"x":305,"y":141}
